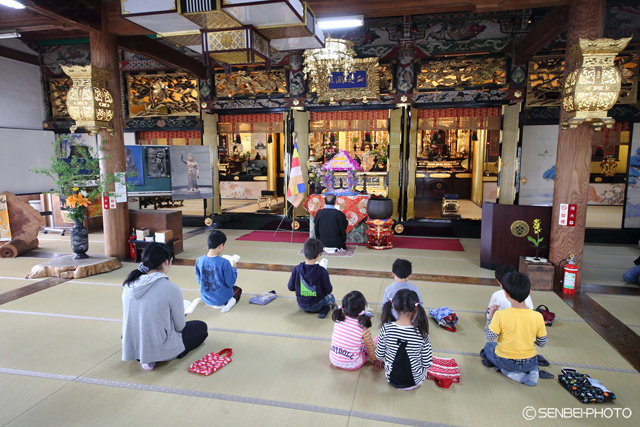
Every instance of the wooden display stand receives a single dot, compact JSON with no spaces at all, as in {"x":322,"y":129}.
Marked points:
{"x":158,"y":220}
{"x":498,"y":244}
{"x":540,"y":274}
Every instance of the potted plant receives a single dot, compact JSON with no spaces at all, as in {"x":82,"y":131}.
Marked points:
{"x":537,"y":240}
{"x":78,"y":182}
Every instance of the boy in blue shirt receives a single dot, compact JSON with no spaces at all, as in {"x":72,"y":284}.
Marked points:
{"x":216,"y":276}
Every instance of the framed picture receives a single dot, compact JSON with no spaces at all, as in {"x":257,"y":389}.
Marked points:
{"x":5,"y":230}
{"x":191,"y":176}
{"x":134,"y":165}
{"x":158,"y":165}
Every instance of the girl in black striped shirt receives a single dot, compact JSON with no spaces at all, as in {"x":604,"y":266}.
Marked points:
{"x":404,"y":344}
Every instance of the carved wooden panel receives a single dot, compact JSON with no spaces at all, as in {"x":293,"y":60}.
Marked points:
{"x":385,"y":73}
{"x":462,"y":73}
{"x":245,"y":83}
{"x":544,"y":83}
{"x":162,"y":95}
{"x":58,"y":88}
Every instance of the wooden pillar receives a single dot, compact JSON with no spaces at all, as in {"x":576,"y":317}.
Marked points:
{"x":509,"y":154}
{"x":573,"y":161}
{"x":104,"y":54}
{"x":210,"y":139}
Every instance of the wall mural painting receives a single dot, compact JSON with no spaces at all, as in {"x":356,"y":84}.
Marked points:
{"x":243,"y":83}
{"x":157,"y":162}
{"x":296,"y":75}
{"x":462,"y":73}
{"x":53,"y":57}
{"x":162,"y":95}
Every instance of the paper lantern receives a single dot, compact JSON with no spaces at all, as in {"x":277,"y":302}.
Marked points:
{"x":88,"y":101}
{"x":593,"y":87}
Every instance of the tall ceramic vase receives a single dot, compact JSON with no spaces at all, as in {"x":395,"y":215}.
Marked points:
{"x":79,"y":240}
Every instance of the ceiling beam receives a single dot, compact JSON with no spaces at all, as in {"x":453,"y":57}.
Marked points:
{"x":552,"y":25}
{"x":17,"y":55}
{"x":82,"y":14}
{"x":159,"y":52}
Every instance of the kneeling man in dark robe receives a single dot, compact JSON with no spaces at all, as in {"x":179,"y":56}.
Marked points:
{"x":331,"y":226}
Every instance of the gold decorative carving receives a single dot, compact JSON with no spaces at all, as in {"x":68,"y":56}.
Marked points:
{"x":58,"y":88}
{"x":371,"y":92}
{"x":463,"y":175}
{"x":226,"y":40}
{"x":519,"y":228}
{"x":399,"y":228}
{"x":162,"y":95}
{"x":524,"y":180}
{"x":259,"y":178}
{"x":245,"y":83}
{"x":593,"y":87}
{"x":385,"y":76}
{"x":598,"y":179}
{"x":440,"y":175}
{"x":545,"y":75}
{"x":608,"y":166}
{"x":89,"y":102}
{"x":544,"y":88}
{"x":462,"y":73}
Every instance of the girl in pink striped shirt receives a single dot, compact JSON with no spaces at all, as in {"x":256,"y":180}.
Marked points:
{"x":351,"y":341}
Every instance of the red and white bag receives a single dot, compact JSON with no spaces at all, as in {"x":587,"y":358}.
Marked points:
{"x":211,"y":362}
{"x":444,"y":372}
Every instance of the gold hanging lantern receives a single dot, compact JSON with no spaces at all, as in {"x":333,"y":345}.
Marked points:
{"x":88,"y":101}
{"x":594,"y":86}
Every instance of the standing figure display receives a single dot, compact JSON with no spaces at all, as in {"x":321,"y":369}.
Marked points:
{"x":193,"y":173}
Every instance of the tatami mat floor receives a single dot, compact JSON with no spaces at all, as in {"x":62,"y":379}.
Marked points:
{"x":61,"y":361}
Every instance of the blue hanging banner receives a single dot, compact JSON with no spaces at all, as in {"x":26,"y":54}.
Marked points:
{"x":355,"y":80}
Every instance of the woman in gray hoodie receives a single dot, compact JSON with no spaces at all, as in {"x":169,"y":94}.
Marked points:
{"x":154,"y":326}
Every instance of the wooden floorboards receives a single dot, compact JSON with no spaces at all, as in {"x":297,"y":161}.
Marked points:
{"x":30,"y":289}
{"x":617,"y":334}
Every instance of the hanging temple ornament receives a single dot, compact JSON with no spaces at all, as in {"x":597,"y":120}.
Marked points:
{"x":594,"y":86}
{"x":337,"y":55}
{"x":88,"y":101}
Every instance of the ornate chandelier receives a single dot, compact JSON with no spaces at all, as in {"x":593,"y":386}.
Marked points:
{"x":337,"y":55}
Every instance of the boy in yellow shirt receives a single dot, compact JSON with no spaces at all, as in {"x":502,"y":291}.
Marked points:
{"x":517,"y":329}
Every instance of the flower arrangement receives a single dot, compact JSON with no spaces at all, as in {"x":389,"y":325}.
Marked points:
{"x":315,"y":174}
{"x":536,"y":242}
{"x":77,"y":205}
{"x":79,"y":170}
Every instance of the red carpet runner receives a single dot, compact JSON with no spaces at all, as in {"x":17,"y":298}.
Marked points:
{"x":425,"y":243}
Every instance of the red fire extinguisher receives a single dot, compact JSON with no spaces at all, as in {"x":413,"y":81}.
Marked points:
{"x":132,"y":245}
{"x":569,"y":275}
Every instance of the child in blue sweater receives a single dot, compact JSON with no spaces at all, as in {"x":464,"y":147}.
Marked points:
{"x":216,"y":276}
